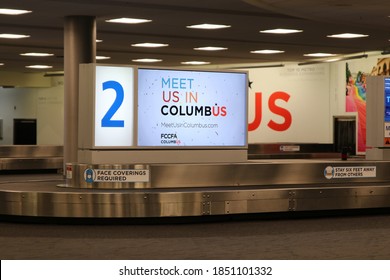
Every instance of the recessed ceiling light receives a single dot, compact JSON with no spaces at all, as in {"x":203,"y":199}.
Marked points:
{"x":195,"y":62}
{"x":281,"y":31}
{"x":210,"y":49}
{"x":102,"y":57}
{"x":319,"y":54}
{"x":39,"y":66}
{"x":347,"y":36}
{"x":149,"y":45}
{"x":267,"y":51}
{"x":129,"y":20}
{"x":1,"y":64}
{"x":13,"y":12}
{"x":13,"y":36}
{"x":208,"y":26}
{"x":99,"y":41}
{"x":147,"y":60}
{"x":37,"y":54}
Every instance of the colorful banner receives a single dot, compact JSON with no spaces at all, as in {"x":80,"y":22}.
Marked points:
{"x":356,"y":91}
{"x":356,"y":102}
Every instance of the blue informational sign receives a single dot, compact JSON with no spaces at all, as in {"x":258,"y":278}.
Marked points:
{"x":387,"y":99}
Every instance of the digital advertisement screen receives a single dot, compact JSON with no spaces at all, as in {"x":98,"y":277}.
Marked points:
{"x":192,"y":108}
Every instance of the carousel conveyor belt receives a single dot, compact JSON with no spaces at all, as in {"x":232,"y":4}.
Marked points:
{"x":180,"y":190}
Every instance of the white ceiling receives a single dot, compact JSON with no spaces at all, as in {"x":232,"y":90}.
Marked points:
{"x":317,"y":19}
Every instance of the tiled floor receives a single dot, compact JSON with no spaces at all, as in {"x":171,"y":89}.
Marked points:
{"x":345,"y":237}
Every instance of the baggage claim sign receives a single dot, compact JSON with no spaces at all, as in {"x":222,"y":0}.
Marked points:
{"x":191,"y":108}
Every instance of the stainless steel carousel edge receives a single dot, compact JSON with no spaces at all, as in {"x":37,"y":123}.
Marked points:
{"x":204,"y":189}
{"x":190,"y":203}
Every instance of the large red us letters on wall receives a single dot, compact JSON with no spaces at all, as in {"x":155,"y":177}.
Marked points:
{"x":274,"y":109}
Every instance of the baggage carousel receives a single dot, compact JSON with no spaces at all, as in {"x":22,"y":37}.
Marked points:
{"x":180,"y":190}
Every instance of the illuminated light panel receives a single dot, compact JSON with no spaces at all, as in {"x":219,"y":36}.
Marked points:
{"x":129,"y":20}
{"x":210,"y":48}
{"x":1,"y":64}
{"x":116,"y":132}
{"x":13,"y":12}
{"x":37,"y":54}
{"x":267,"y":51}
{"x":209,"y":26}
{"x":281,"y":31}
{"x":147,"y":60}
{"x":195,"y":62}
{"x":319,"y":54}
{"x":39,"y":66}
{"x":13,"y":36}
{"x":149,"y":45}
{"x":102,"y":57}
{"x":347,"y":36}
{"x":98,"y":41}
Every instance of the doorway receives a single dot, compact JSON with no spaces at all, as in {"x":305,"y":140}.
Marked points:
{"x":345,"y":134}
{"x":25,"y":132}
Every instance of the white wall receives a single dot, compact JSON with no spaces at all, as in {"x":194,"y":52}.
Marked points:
{"x":308,"y":104}
{"x":43,"y":104}
{"x":16,"y":103}
{"x":50,"y":114}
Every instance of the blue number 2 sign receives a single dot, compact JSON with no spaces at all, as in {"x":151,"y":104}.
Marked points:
{"x":107,"y":120}
{"x":113,"y":117}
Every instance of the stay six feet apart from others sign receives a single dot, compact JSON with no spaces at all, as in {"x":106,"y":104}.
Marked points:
{"x":341,"y":172}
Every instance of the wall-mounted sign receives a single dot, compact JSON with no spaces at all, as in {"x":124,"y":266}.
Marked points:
{"x":278,"y":104}
{"x":179,"y":108}
{"x":290,"y":148}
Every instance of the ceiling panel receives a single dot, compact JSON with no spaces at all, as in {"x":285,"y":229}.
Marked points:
{"x":169,"y":18}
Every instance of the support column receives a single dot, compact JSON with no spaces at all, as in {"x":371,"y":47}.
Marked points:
{"x":79,"y":47}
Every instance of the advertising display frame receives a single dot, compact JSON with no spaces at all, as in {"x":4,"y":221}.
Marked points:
{"x":88,"y":110}
{"x":197,"y":147}
{"x":90,"y":153}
